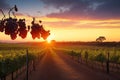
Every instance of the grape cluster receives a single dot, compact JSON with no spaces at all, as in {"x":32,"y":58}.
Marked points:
{"x":22,"y":28}
{"x":2,"y":25}
{"x":38,"y":31}
{"x":12,"y":27}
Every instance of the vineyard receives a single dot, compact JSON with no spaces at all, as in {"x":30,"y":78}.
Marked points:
{"x":13,"y":59}
{"x":103,"y":58}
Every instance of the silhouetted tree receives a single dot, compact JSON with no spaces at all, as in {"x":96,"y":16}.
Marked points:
{"x":100,"y":39}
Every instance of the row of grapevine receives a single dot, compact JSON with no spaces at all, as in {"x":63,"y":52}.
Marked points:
{"x":97,"y":56}
{"x":15,"y":60}
{"x":94,"y":53}
{"x":104,"y":61}
{"x":107,"y":59}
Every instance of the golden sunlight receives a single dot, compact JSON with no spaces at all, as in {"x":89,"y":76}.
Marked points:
{"x":48,"y":41}
{"x":51,"y":37}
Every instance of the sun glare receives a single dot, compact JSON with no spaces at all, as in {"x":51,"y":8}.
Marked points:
{"x":51,"y":37}
{"x":48,"y":41}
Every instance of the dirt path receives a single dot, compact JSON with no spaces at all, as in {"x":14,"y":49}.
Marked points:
{"x":56,"y":66}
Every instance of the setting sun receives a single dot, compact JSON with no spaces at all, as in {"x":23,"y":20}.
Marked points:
{"x":48,"y":41}
{"x":51,"y":37}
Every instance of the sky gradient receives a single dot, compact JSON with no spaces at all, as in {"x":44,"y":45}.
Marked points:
{"x":69,"y":20}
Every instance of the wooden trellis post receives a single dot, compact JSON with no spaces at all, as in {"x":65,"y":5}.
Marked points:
{"x":27,"y":63}
{"x":107,"y":63}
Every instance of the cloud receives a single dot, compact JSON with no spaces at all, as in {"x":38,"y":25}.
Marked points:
{"x":4,"y":4}
{"x":85,"y":9}
{"x":19,"y":14}
{"x":83,"y":24}
{"x":61,"y":24}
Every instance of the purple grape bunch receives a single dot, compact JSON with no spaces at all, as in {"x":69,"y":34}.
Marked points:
{"x":38,"y":30}
{"x":13,"y":27}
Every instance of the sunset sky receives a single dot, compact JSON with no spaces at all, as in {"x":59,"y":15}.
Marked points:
{"x":69,"y":20}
